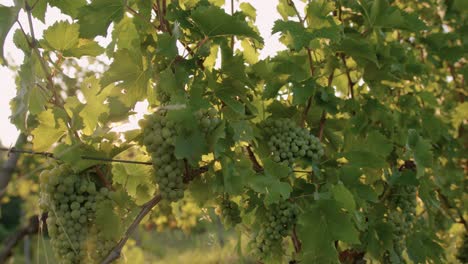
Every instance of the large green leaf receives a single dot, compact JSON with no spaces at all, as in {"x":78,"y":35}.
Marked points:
{"x":95,"y":107}
{"x":129,"y":70}
{"x":49,"y":130}
{"x":273,"y":189}
{"x":108,"y":221}
{"x":191,"y":146}
{"x":7,"y":19}
{"x":134,"y":178}
{"x":320,"y":226}
{"x":69,"y":7}
{"x":95,"y":18}
{"x":62,"y":36}
{"x":213,"y":22}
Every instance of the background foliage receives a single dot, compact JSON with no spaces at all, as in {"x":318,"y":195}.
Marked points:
{"x":380,"y":83}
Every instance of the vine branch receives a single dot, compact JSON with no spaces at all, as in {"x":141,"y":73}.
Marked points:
{"x":33,"y":46}
{"x":10,"y":242}
{"x":351,"y":83}
{"x":117,"y":250}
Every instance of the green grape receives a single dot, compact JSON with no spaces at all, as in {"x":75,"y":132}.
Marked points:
{"x":70,"y":215}
{"x":401,"y":215}
{"x":229,"y":212}
{"x":279,"y":221}
{"x":289,"y":142}
{"x":159,"y":135}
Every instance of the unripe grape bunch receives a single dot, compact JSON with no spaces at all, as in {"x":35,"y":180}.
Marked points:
{"x":401,"y":215}
{"x":70,"y":200}
{"x":288,"y":142}
{"x":279,"y":221}
{"x":159,"y":137}
{"x":229,"y":212}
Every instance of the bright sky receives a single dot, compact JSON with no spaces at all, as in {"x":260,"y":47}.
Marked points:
{"x":266,"y":15}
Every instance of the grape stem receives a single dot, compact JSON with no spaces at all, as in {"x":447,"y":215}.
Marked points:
{"x":116,"y":251}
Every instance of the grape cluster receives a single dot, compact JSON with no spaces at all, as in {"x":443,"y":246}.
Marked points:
{"x":208,"y":120}
{"x":229,"y":212}
{"x":159,"y":136}
{"x":401,"y":215}
{"x":280,"y":219}
{"x":71,"y":202}
{"x":288,"y":142}
{"x":98,"y":245}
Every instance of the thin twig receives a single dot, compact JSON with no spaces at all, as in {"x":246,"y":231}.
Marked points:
{"x":348,"y":76}
{"x":296,"y":242}
{"x":146,"y":208}
{"x":140,"y":16}
{"x":25,"y":151}
{"x":33,"y":46}
{"x":116,"y":160}
{"x":323,"y":118}
{"x":103,"y":178}
{"x":51,"y":155}
{"x":291,"y":4}
{"x":15,"y":238}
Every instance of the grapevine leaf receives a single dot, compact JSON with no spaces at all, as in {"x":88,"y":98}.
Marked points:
{"x":378,"y":144}
{"x":85,"y":47}
{"x":39,"y":10}
{"x":107,"y":220}
{"x":273,"y":189}
{"x":243,"y":130}
{"x":95,"y":18}
{"x":136,"y":179}
{"x":302,"y":36}
{"x":190,"y":147}
{"x":379,"y":238}
{"x":250,"y":53}
{"x":213,"y":21}
{"x":320,"y":226}
{"x":421,"y":149}
{"x":130,"y":71}
{"x":49,"y":130}
{"x":7,"y":19}
{"x":95,"y":106}
{"x":303,"y":91}
{"x":423,"y":153}
{"x":21,"y":42}
{"x":228,"y":96}
{"x":422,"y":248}
{"x":460,"y":114}
{"x":318,"y":13}
{"x":344,"y":197}
{"x":249,"y":10}
{"x":275,"y":169}
{"x":31,"y":94}
{"x":235,"y":175}
{"x":62,"y":36}
{"x":69,"y":7}
{"x":364,"y":159}
{"x":358,"y":49}
{"x":167,"y":45}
